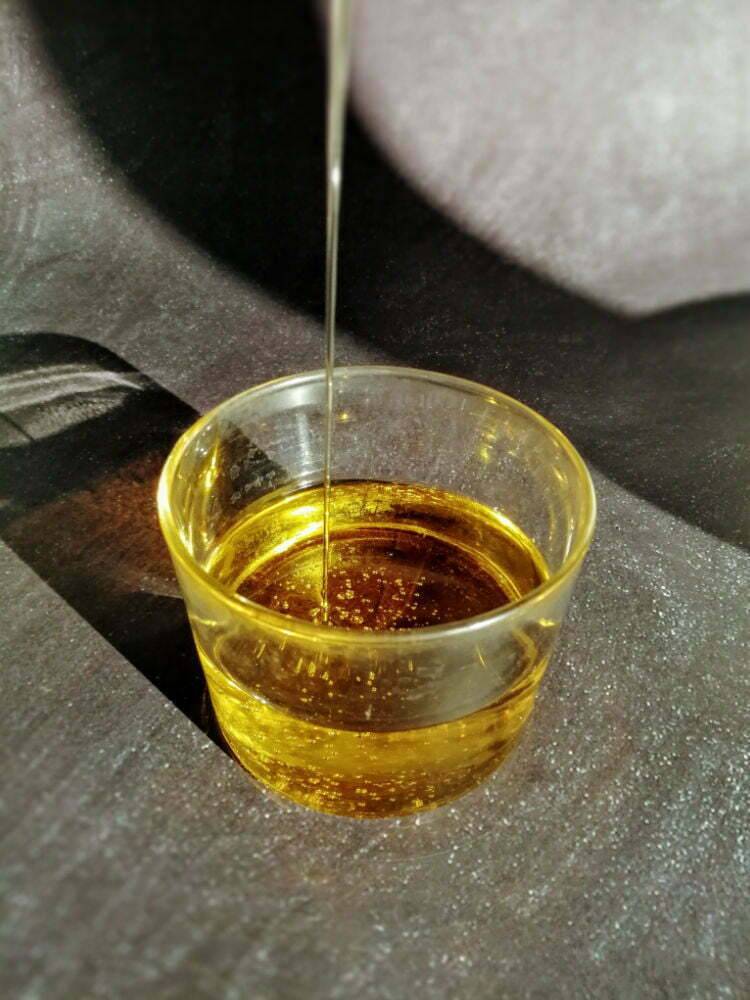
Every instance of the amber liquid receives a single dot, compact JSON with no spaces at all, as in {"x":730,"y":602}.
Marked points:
{"x":320,"y":727}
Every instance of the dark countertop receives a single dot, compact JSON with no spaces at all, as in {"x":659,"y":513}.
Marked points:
{"x":161,"y":226}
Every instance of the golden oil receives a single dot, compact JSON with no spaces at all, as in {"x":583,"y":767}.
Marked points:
{"x":402,"y":557}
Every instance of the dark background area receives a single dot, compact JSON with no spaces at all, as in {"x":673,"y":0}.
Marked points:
{"x":214,"y":112}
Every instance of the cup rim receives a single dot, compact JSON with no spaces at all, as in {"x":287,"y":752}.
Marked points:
{"x":332,"y":634}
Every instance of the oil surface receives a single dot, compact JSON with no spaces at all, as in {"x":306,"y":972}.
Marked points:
{"x":401,"y":557}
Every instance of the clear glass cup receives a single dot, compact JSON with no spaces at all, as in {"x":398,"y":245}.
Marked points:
{"x":374,"y":723}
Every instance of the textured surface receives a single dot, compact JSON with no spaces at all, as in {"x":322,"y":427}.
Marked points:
{"x":150,"y":213}
{"x":645,"y":202}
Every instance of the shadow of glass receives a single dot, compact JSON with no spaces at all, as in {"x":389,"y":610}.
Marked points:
{"x":83,"y":437}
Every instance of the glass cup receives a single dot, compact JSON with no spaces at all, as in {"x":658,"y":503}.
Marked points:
{"x":373,"y":723}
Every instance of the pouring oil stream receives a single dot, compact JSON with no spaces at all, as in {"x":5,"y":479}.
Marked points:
{"x":339,"y":44}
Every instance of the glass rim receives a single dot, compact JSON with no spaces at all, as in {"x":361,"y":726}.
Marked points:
{"x":327,"y":633}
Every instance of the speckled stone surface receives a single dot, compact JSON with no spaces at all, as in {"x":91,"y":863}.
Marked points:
{"x":154,"y":214}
